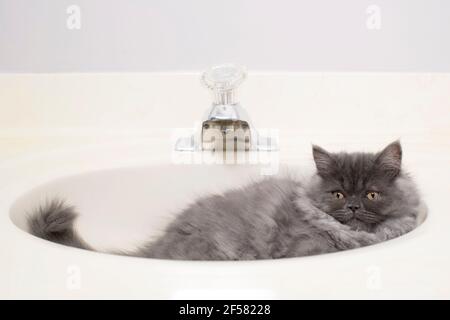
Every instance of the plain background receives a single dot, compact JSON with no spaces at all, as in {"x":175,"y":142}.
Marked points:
{"x":174,"y":35}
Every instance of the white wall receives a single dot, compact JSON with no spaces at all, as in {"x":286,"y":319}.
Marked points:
{"x":149,"y":35}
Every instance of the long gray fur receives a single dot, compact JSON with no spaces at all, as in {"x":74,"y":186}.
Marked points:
{"x":277,"y":218}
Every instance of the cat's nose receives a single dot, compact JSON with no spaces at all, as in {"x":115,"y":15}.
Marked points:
{"x":353,"y":207}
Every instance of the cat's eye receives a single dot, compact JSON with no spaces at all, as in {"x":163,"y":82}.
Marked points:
{"x":338,"y":195}
{"x":373,"y":195}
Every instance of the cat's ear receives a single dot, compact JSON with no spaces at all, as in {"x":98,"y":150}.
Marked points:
{"x":389,"y":161}
{"x":325,"y":162}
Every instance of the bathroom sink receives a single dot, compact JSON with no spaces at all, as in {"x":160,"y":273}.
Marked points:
{"x":123,"y":207}
{"x":126,"y":193}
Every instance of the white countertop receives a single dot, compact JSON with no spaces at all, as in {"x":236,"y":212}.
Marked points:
{"x":44,"y":114}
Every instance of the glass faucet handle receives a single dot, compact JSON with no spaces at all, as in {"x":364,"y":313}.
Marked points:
{"x":225,"y":77}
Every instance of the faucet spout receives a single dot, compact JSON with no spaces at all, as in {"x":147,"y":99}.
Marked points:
{"x":226,"y":125}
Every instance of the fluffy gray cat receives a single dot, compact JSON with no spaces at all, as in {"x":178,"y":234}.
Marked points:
{"x":354,"y":200}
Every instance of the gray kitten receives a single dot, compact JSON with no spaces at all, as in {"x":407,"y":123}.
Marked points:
{"x":354,"y":200}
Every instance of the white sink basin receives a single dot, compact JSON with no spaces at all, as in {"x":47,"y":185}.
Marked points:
{"x":123,"y":207}
{"x":126,"y":193}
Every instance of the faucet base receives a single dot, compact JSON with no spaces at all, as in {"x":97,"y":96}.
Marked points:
{"x":246,"y":140}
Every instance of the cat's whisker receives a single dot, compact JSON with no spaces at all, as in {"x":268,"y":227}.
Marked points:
{"x":342,"y":216}
{"x":369,"y":217}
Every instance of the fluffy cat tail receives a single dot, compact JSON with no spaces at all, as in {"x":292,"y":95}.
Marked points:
{"x":55,"y":222}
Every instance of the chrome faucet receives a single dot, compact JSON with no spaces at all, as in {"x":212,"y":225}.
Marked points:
{"x":226,"y":125}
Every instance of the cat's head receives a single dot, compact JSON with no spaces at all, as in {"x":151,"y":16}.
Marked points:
{"x":361,"y":189}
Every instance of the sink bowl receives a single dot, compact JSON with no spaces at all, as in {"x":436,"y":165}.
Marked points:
{"x":124,"y":207}
{"x":128,"y":193}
